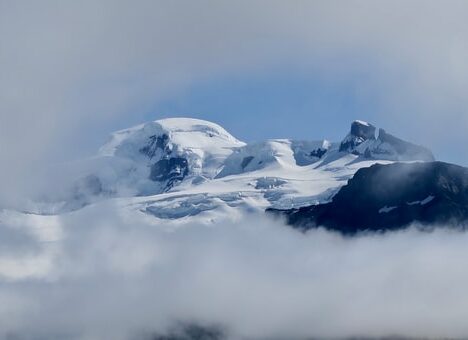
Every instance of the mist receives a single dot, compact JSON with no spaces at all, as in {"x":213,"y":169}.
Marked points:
{"x":97,"y":273}
{"x":73,"y":72}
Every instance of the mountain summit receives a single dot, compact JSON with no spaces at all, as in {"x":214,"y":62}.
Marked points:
{"x":361,"y":140}
{"x":360,"y":132}
{"x":184,"y":169}
{"x":166,"y":151}
{"x":158,"y":156}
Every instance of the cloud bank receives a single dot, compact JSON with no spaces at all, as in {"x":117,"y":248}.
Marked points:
{"x":98,"y":274}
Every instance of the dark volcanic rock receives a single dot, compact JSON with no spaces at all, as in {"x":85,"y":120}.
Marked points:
{"x":389,"y":197}
{"x":360,"y":132}
{"x":361,"y":141}
{"x":318,"y":153}
{"x":156,"y":143}
{"x":169,"y":170}
{"x":362,"y":129}
{"x":246,"y":161}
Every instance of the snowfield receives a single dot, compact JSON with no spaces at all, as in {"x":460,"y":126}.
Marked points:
{"x":183,"y":169}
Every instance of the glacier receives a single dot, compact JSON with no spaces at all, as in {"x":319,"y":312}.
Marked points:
{"x":183,"y":169}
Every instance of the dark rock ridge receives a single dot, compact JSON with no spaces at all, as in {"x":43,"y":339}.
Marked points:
{"x":363,"y":129}
{"x":318,"y":153}
{"x":156,"y":143}
{"x":361,"y":141}
{"x":360,"y":132}
{"x":169,"y":170}
{"x":246,"y":161}
{"x":390,"y":197}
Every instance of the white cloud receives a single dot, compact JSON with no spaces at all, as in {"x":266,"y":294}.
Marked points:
{"x":116,"y":276}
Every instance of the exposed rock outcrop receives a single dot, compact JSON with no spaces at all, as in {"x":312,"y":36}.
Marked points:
{"x":361,"y":141}
{"x":392,"y":196}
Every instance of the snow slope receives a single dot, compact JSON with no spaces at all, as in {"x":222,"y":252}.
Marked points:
{"x":182,"y":169}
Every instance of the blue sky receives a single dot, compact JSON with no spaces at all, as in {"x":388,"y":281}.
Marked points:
{"x":301,"y":104}
{"x":297,"y":103}
{"x":273,"y":105}
{"x":284,"y":101}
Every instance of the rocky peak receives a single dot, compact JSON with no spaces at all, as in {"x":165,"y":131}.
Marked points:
{"x":361,"y":141}
{"x":360,"y":132}
{"x":362,"y":129}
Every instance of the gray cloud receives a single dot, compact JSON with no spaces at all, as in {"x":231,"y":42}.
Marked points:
{"x":103,"y":274}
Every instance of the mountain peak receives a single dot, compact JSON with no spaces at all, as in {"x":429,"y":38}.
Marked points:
{"x":183,"y":132}
{"x":159,"y":154}
{"x":360,"y":128}
{"x":361,"y":141}
{"x":165,"y":152}
{"x":360,"y":132}
{"x":182,"y":124}
{"x":180,"y":154}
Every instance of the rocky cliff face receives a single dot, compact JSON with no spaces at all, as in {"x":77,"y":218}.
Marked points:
{"x":392,"y":196}
{"x":361,"y":141}
{"x":360,"y":133}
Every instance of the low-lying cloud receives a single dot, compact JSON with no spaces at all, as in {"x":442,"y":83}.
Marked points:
{"x":100,"y":274}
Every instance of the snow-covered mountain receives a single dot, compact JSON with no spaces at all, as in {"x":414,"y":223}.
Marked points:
{"x":186,"y":172}
{"x":182,"y":169}
{"x":391,"y":197}
{"x":361,"y":140}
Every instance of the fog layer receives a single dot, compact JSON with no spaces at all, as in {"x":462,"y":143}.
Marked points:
{"x":99,"y":274}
